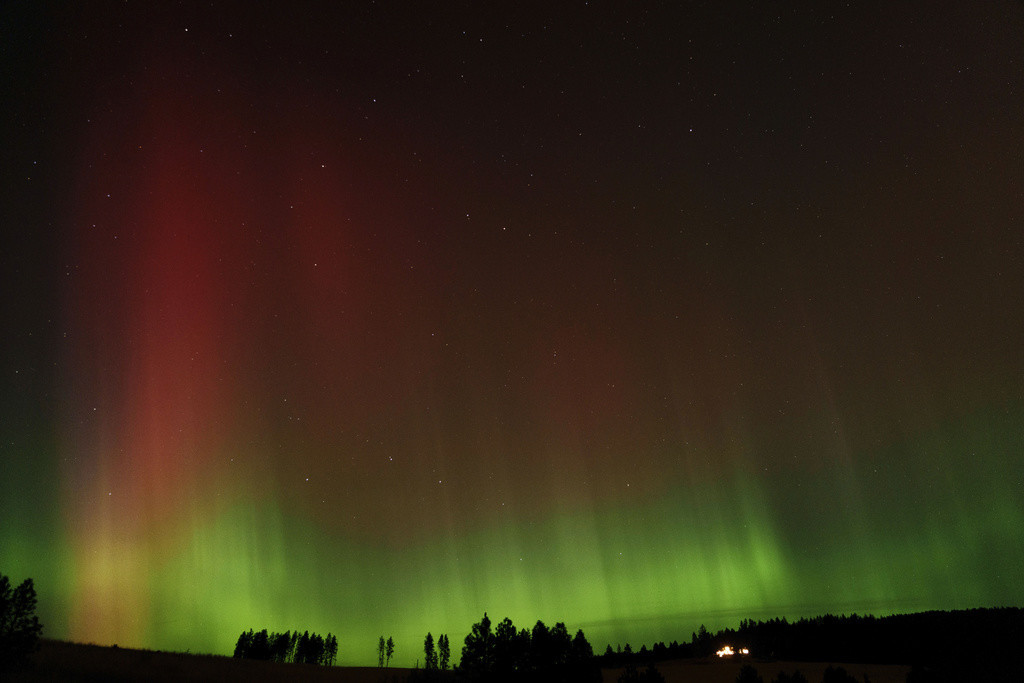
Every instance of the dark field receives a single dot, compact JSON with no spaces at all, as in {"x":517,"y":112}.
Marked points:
{"x":715,"y":671}
{"x":63,"y":661}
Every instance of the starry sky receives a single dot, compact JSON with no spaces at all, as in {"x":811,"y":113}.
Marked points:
{"x":368,"y":317}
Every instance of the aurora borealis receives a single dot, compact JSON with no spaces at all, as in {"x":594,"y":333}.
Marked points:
{"x":367,"y":318}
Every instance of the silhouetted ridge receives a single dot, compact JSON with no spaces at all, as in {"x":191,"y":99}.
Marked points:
{"x":935,"y":639}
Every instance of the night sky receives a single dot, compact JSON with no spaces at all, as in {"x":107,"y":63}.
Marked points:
{"x":369,"y":317}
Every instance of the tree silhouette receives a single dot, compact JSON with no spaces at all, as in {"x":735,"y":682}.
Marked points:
{"x":582,"y":665}
{"x":318,"y":654}
{"x":443,"y":651}
{"x":260,"y":646}
{"x":561,"y":644}
{"x":508,"y":657}
{"x":550,"y":649}
{"x":969,"y":641}
{"x":244,"y":644}
{"x":390,"y":651}
{"x":315,"y":651}
{"x":539,"y":656}
{"x":288,"y":647}
{"x":301,"y":648}
{"x":280,"y":646}
{"x":478,"y":649}
{"x":429,"y":653}
{"x":703,"y":641}
{"x":330,"y":650}
{"x":581,"y":648}
{"x":541,"y":647}
{"x":381,"y":647}
{"x":19,"y":626}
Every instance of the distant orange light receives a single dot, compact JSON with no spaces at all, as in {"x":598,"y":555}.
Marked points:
{"x":726,"y":651}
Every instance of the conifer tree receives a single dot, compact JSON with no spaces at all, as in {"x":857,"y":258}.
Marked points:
{"x":443,"y":651}
{"x":429,"y":653}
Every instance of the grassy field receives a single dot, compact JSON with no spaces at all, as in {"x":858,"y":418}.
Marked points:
{"x":61,"y":661}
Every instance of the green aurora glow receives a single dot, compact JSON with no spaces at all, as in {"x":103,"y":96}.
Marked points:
{"x":319,"y":346}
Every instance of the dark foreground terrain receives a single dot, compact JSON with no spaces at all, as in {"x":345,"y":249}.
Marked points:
{"x":62,"y":661}
{"x":716,"y":671}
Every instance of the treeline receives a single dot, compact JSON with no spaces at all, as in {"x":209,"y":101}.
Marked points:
{"x":19,"y":626}
{"x":937,"y":639}
{"x":436,"y":659}
{"x":538,"y":654}
{"x":897,"y":639}
{"x":287,"y":647}
{"x":702,"y":644}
